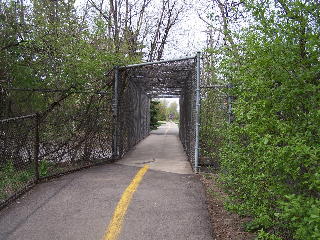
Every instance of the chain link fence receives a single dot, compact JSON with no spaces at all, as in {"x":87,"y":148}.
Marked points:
{"x":132,"y":113}
{"x":17,"y":154}
{"x":70,"y":130}
{"x":187,"y":131}
{"x":136,"y":85}
{"x":214,"y":116}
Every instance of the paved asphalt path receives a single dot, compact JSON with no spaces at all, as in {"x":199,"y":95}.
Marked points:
{"x":168,"y":204}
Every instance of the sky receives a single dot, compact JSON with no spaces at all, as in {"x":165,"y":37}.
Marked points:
{"x":188,"y":36}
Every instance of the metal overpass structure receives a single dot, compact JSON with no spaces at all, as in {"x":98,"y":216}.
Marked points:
{"x":134,"y":87}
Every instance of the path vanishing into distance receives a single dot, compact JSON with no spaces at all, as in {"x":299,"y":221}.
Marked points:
{"x":150,"y":194}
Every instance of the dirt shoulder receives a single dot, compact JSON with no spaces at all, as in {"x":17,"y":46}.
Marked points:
{"x":226,"y":225}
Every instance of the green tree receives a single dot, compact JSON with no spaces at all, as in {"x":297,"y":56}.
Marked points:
{"x":270,"y":152}
{"x":163,"y":116}
{"x":154,"y":114}
{"x":172,"y":111}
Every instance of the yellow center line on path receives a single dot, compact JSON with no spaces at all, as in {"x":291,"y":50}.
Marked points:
{"x":114,"y":227}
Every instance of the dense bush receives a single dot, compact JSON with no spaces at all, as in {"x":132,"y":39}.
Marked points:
{"x":270,"y":155}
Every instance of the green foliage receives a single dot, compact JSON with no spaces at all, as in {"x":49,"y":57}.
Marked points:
{"x":154,"y":115}
{"x":163,"y":113}
{"x":165,"y":110}
{"x":172,"y":111}
{"x":44,"y":44}
{"x":13,"y":179}
{"x":270,"y":153}
{"x":159,"y":111}
{"x":212,"y":111}
{"x":302,"y":214}
{"x":44,"y":168}
{"x":51,"y":45}
{"x":262,"y":235}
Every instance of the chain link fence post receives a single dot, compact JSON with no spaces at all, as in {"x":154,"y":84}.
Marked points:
{"x":115,"y":148}
{"x":230,"y":99}
{"x":36,"y":147}
{"x":197,"y":124}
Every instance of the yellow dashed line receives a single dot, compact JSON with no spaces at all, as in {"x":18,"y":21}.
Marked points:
{"x":114,"y":227}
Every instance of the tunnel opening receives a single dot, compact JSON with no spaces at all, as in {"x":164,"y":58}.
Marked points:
{"x":134,"y":87}
{"x":165,"y":109}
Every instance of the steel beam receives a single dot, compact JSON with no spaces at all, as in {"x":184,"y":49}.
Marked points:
{"x":157,"y":62}
{"x":197,"y":124}
{"x":164,"y":96}
{"x":115,"y":148}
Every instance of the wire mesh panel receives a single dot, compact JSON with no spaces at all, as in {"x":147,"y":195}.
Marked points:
{"x":17,"y":145}
{"x":188,"y":115}
{"x":137,"y":84}
{"x":75,"y":128}
{"x":214,"y":116}
{"x":133,"y":113}
{"x":77,"y":133}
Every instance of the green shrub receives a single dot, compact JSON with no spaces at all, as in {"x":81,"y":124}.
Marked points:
{"x":270,"y":154}
{"x":262,"y":235}
{"x":302,"y":215}
{"x":13,"y":179}
{"x":43,"y":168}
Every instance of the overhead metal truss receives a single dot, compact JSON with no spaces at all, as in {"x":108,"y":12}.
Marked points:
{"x":162,"y":78}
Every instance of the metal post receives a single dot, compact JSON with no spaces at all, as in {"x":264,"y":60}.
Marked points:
{"x":229,"y":105}
{"x":196,"y":151}
{"x":115,"y":148}
{"x":36,"y":147}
